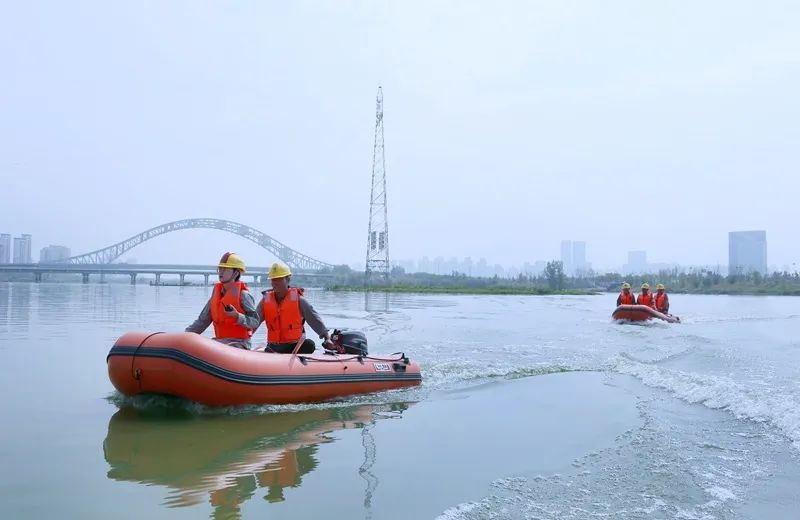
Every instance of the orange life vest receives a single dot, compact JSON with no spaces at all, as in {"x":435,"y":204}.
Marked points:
{"x":646,"y":299}
{"x":227,"y":326}
{"x":284,"y":321}
{"x":661,"y":302}
{"x":627,"y":299}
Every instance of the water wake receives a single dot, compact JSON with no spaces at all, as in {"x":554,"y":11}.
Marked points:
{"x":761,"y":404}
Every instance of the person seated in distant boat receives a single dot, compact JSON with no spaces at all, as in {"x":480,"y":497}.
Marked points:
{"x":284,"y":311}
{"x":661,"y":299}
{"x":231,"y":308}
{"x":645,"y":297}
{"x":626,"y":296}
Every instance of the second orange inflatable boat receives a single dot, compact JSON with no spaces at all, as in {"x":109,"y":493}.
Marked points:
{"x":641,"y":313}
{"x":200,"y":369}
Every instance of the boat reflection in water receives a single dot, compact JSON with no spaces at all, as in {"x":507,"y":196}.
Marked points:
{"x":226,"y":459}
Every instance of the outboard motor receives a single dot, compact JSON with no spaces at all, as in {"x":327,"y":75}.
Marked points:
{"x":350,"y":341}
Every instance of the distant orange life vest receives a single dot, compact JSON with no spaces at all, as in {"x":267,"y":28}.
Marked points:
{"x":284,"y":321}
{"x":661,"y":302}
{"x":646,"y":299}
{"x":226,"y":326}
{"x":627,"y":299}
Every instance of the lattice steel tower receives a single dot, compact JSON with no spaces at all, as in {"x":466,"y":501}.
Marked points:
{"x":378,"y":233}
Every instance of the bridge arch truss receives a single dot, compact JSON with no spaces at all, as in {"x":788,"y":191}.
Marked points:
{"x":293,"y":258}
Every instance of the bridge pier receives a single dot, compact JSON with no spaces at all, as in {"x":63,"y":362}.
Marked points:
{"x":102,"y":277}
{"x":85,"y":277}
{"x":37,"y":277}
{"x":182,"y":275}
{"x":133,"y":278}
{"x":158,"y":278}
{"x":205,"y":279}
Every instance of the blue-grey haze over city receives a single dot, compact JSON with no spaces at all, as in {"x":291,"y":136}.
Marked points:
{"x":509,"y":128}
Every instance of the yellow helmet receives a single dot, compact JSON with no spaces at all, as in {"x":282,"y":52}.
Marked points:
{"x":626,"y":285}
{"x":660,"y":286}
{"x":645,"y":285}
{"x":279,"y":270}
{"x":231,"y":261}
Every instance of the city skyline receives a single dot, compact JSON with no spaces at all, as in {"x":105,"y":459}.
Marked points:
{"x":151,"y":249}
{"x":637,"y":261}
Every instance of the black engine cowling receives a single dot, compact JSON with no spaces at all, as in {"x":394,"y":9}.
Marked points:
{"x":350,"y":341}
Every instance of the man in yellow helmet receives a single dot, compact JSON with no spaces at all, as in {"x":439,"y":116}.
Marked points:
{"x":285,"y":312}
{"x":661,"y":299}
{"x":231,"y":307}
{"x":626,"y":296}
{"x":645,"y":297}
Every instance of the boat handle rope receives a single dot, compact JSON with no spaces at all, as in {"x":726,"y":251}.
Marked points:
{"x":402,"y":357}
{"x":134,"y":373}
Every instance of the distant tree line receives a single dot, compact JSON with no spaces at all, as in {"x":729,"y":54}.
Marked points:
{"x":710,"y":282}
{"x":554,"y":280}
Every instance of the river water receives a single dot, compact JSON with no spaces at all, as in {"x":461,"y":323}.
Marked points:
{"x":531,"y":407}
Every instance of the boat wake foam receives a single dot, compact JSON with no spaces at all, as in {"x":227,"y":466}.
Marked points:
{"x":761,"y":405}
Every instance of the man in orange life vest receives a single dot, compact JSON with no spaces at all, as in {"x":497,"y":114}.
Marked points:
{"x":626,"y":296}
{"x":662,"y":300}
{"x":231,"y":308}
{"x":645,"y":297}
{"x":284,"y":311}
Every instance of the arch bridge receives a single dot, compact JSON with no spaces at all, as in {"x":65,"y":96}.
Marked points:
{"x":294,"y":259}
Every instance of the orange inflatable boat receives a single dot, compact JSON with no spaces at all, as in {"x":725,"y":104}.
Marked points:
{"x":641,"y":313}
{"x":203,"y":370}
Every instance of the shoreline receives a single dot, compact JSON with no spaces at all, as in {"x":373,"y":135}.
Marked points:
{"x":541,"y":291}
{"x":732,"y":290}
{"x":485,"y":291}
{"x":741,"y":292}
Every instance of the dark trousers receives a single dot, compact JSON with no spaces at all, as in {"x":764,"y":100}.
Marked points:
{"x":307,"y":347}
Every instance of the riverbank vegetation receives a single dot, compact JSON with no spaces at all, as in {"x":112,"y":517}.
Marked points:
{"x":709,"y":282}
{"x":554,"y":281}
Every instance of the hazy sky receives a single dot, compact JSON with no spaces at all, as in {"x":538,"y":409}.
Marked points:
{"x":509,"y":126}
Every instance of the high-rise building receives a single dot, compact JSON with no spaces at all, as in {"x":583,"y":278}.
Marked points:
{"x":579,"y":257}
{"x":53,"y":253}
{"x":22,"y":249}
{"x":5,"y":248}
{"x":566,"y":256}
{"x":573,"y":257}
{"x":747,"y":252}
{"x":637,"y":262}
{"x":482,"y":267}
